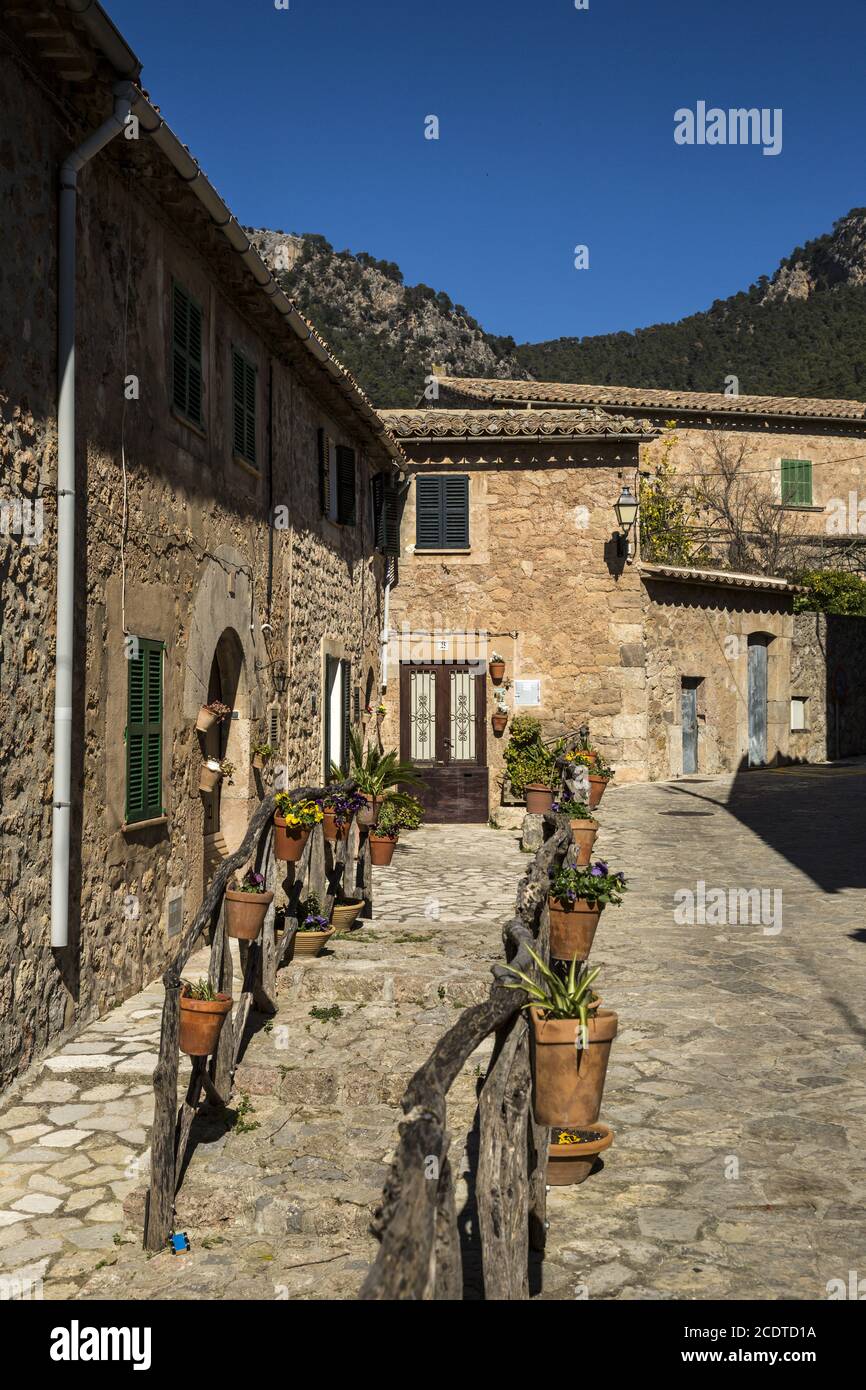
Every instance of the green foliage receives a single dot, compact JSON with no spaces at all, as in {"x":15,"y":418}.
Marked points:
{"x":526,"y":758}
{"x":593,"y":884}
{"x":326,"y":1013}
{"x":666,"y":534}
{"x":374,"y":770}
{"x":398,"y":812}
{"x":831,"y":591}
{"x":202,"y":989}
{"x":557,"y":997}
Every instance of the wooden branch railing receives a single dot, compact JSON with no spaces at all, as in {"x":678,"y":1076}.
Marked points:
{"x":349,"y":870}
{"x":419,"y":1255}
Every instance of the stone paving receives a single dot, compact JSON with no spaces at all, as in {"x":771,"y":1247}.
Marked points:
{"x":737,"y":1085}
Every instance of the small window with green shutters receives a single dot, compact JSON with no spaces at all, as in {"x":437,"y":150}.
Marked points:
{"x":243,"y":408}
{"x":796,"y":483}
{"x":144,"y":730}
{"x":186,"y":368}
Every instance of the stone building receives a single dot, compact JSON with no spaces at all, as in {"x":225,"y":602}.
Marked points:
{"x":510,"y":544}
{"x":218,"y":515}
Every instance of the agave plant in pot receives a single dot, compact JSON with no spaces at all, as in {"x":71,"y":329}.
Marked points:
{"x":293,"y":821}
{"x":375,"y":773}
{"x":570,"y":1044}
{"x":202,"y":1014}
{"x":576,"y":899}
{"x":247,"y":903}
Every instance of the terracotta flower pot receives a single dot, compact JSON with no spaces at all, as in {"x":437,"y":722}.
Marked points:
{"x":539,"y":799}
{"x":331,"y":829}
{"x":569,"y":1164}
{"x":497,"y":670}
{"x":209,"y":778}
{"x":344,"y":914}
{"x":367,"y":814}
{"x":572,"y":928}
{"x":382,"y":848}
{"x":205,"y":720}
{"x":201,"y":1022}
{"x":245,"y":913}
{"x":310,"y":943}
{"x":499,"y":722}
{"x":258,"y":762}
{"x":289,"y":840}
{"x":583,"y":833}
{"x":568,"y":1081}
{"x":597,"y":788}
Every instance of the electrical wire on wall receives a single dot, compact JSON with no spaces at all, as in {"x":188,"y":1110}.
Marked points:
{"x":125,"y":519}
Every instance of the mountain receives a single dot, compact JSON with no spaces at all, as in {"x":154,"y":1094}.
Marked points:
{"x":386,"y":332}
{"x":801,"y":332}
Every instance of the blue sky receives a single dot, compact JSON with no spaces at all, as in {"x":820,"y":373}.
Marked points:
{"x":556,"y":129}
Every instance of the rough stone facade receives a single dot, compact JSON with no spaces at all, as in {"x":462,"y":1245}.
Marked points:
{"x":828,"y":672}
{"x":176,"y":547}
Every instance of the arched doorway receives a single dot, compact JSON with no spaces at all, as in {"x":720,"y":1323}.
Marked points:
{"x":225,"y":808}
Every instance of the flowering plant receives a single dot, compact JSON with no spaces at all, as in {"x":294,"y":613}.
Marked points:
{"x":593,"y":762}
{"x":309,"y":916}
{"x":594,"y":884}
{"x":228,"y":769}
{"x":575,"y":810}
{"x":344,"y":806}
{"x":219,"y":709}
{"x":250,"y":883}
{"x":381,"y":710}
{"x":303,"y":813}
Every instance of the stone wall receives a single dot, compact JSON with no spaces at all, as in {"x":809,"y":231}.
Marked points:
{"x":189,"y":565}
{"x":543,"y":581}
{"x":828,"y":670}
{"x":702,"y":632}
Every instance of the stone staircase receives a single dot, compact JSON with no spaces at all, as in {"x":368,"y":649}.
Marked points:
{"x":282,"y":1200}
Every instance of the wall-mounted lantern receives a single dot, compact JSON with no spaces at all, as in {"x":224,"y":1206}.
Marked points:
{"x":626,"y":508}
{"x":281,"y":677}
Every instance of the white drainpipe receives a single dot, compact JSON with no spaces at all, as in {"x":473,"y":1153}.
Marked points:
{"x":66,"y":260}
{"x":386,"y":616}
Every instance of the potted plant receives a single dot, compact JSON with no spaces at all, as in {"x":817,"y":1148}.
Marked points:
{"x":375,"y":772}
{"x":202,"y":1015}
{"x":344,"y":913}
{"x":570,"y":1045}
{"x":583,"y":828}
{"x":499,"y":718}
{"x":539,"y":789}
{"x":247,"y":902}
{"x":262,"y":753}
{"x":497,"y":666}
{"x":597,"y":770}
{"x":314,"y":930}
{"x":576,"y":900}
{"x":396,"y":812}
{"x":338,"y":808}
{"x":213,"y":713}
{"x":293,"y":821}
{"x":572,"y":1153}
{"x":227,"y":770}
{"x":210,"y":775}
{"x":530,"y":765}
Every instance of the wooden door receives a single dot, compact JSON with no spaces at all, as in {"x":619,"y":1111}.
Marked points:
{"x":690,"y":724}
{"x":443,"y":729}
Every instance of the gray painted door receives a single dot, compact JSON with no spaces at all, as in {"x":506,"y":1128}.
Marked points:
{"x":690,"y":726}
{"x":757,"y":701}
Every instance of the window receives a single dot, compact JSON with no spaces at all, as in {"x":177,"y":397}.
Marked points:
{"x":186,"y":374}
{"x":337,"y":485}
{"x":386,"y":515}
{"x":798,"y":713}
{"x":243,"y":408}
{"x":338,"y":676}
{"x":442,"y":513}
{"x":796,"y":483}
{"x":144,"y":732}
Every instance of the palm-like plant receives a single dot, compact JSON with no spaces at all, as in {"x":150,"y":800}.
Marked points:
{"x":373,"y":770}
{"x":558,"y":998}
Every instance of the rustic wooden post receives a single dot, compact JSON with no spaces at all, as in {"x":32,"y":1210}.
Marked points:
{"x":160,"y":1197}
{"x":317,"y":882}
{"x":503,"y":1194}
{"x":221,"y":977}
{"x":448,"y":1264}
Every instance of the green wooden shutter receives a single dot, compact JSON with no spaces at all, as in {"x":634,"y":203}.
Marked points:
{"x":386,"y":515}
{"x":796,"y":483}
{"x":186,"y":371}
{"x":324,"y":474}
{"x":345,"y":485}
{"x":346,"y":677}
{"x":144,"y":733}
{"x":455,"y":513}
{"x":243,"y":407}
{"x":428,"y":514}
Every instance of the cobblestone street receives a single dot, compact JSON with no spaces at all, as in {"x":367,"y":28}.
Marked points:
{"x":736,"y":1089}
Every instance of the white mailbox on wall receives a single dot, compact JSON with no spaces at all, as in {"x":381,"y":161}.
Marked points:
{"x":527,"y":693}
